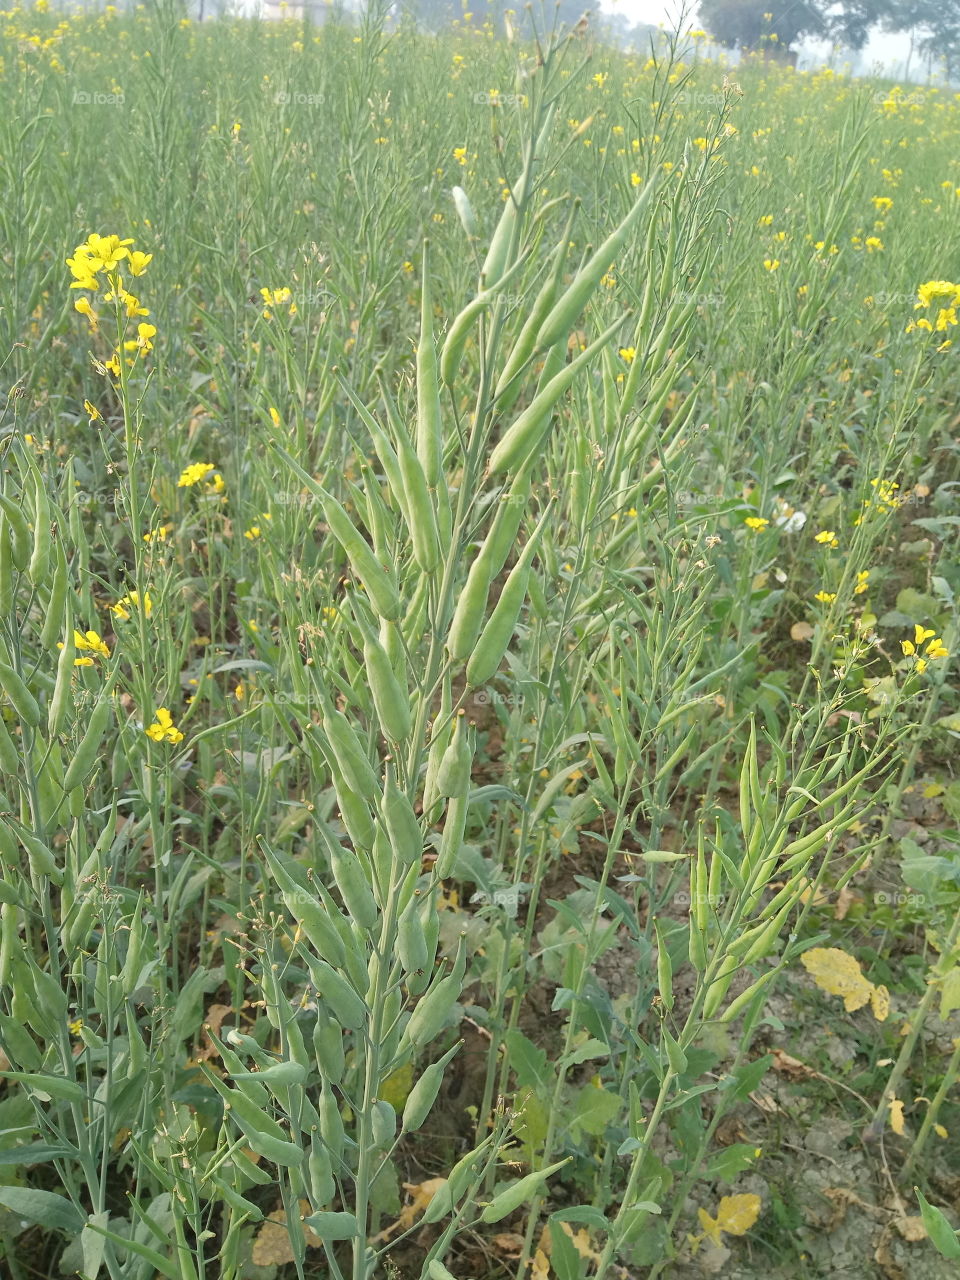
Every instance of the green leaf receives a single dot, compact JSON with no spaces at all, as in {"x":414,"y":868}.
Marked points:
{"x":45,"y":1207}
{"x":93,"y":1244}
{"x":942,"y":1235}
{"x":585,"y":1214}
{"x":591,"y":1048}
{"x":36,"y":1153}
{"x":594,"y":1109}
{"x":165,"y":1266}
{"x":528,"y":1062}
{"x":564,"y":1259}
{"x":746,"y":1078}
{"x":729,"y":1163}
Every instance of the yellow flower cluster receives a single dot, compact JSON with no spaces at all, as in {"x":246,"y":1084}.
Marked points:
{"x":105,"y":256}
{"x":945,"y":296}
{"x":932,"y":645}
{"x":277,"y":298}
{"x":163,"y":729}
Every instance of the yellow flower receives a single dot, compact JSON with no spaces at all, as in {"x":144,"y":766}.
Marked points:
{"x":83,"y":306}
{"x":159,"y":534}
{"x":139,"y":262}
{"x":826,"y":597}
{"x":90,"y":640}
{"x":635,"y":179}
{"x":757,"y":523}
{"x":629,"y":354}
{"x":828,"y":538}
{"x":863,"y":582}
{"x":252,"y":532}
{"x":193,"y":474}
{"x":771,"y":264}
{"x":874,"y":244}
{"x":132,"y":601}
{"x":766,"y":220}
{"x":93,"y":412}
{"x":163,"y":729}
{"x":274,"y":417}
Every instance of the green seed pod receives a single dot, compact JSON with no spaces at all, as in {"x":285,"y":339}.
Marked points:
{"x":333,"y":1226}
{"x":42,"y":860}
{"x":315,"y":922}
{"x":89,"y":747}
{"x":664,"y":969}
{"x":462,"y":324}
{"x":328,"y":1048}
{"x":22,"y":700}
{"x":346,"y":1005}
{"x":453,"y":774}
{"x":467,"y":1170}
{"x":353,"y":811}
{"x":763,"y":943}
{"x":21,"y":541}
{"x":55,"y":619}
{"x":451,"y":841}
{"x":520,"y":1193}
{"x":429,"y":421}
{"x":352,"y":882}
{"x":439,"y":741}
{"x":61,"y":701}
{"x":9,"y":895}
{"x":331,"y":1121}
{"x":412,"y":944}
{"x":249,"y":1104}
{"x":498,"y":632}
{"x":523,"y":440}
{"x":433,"y":1010}
{"x":9,"y":941}
{"x":406,"y":837}
{"x":276,"y":1150}
{"x":737,"y":1006}
{"x":423,"y":1095}
{"x":9,"y":755}
{"x":698,"y":947}
{"x":241,"y":1207}
{"x":383,"y":1123}
{"x":6,"y":570}
{"x":571,"y":302}
{"x":437,"y":1271}
{"x":422,"y":520}
{"x":381,"y":590}
{"x":510,"y":383}
{"x":348,"y":755}
{"x":323,"y":1186}
{"x":281,"y":1074}
{"x":715,"y":994}
{"x":39,"y":565}
{"x":392,"y":703}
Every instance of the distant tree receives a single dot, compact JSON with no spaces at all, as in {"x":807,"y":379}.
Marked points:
{"x":934,"y":26}
{"x":766,"y":25}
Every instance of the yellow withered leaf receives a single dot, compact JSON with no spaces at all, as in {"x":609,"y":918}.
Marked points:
{"x":735,"y":1215}
{"x":896,"y":1116}
{"x":839,"y":975}
{"x":396,"y":1088}
{"x":880,"y":1003}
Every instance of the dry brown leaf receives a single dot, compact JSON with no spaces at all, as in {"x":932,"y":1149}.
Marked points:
{"x":801,"y":631}
{"x":845,"y":900}
{"x":509,"y":1243}
{"x":422,"y":1193}
{"x":765,"y":1101}
{"x":792,"y":1067}
{"x":911,"y":1229}
{"x":271,"y":1246}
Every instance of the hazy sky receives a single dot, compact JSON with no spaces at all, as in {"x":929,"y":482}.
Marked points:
{"x":888,"y":52}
